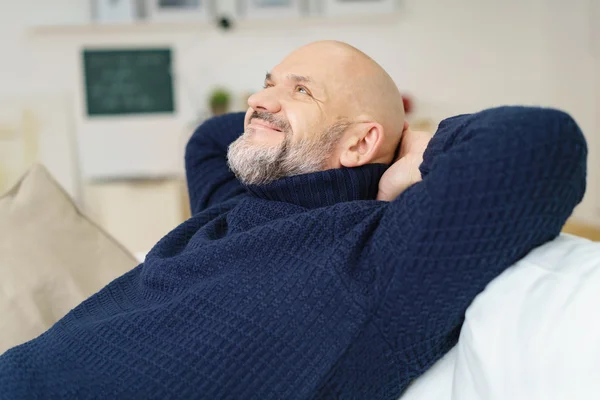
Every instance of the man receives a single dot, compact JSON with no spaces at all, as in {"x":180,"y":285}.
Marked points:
{"x":316,"y":272}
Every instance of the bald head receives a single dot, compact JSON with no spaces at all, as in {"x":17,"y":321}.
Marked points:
{"x":360,"y":87}
{"x":326,"y":105}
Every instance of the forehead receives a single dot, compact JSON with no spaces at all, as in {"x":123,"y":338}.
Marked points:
{"x":327,"y":70}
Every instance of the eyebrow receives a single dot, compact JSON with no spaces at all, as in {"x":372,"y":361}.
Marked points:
{"x":295,"y":78}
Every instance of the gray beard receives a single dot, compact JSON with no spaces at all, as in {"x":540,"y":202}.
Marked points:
{"x":259,"y":165}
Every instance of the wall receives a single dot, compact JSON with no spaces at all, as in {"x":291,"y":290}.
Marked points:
{"x":454,"y":57}
{"x":138,"y":214}
{"x":36,"y":106}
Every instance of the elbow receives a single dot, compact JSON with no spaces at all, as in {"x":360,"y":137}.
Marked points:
{"x":572,"y":146}
{"x":553,"y":140}
{"x":567,"y":152}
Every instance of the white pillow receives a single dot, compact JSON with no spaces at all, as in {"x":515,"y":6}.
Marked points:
{"x":436,"y":383}
{"x":534,"y":333}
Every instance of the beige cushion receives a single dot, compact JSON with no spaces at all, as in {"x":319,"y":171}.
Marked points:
{"x":52,"y":257}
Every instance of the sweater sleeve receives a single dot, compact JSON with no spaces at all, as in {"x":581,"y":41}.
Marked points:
{"x":209,"y":179}
{"x":496,"y":184}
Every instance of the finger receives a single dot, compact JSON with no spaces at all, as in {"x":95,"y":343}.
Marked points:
{"x":384,"y":196}
{"x":397,"y":153}
{"x":381,"y":196}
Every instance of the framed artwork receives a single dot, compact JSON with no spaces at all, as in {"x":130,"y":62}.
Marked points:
{"x":352,"y":7}
{"x":109,"y":11}
{"x":190,"y":10}
{"x":258,"y":9}
{"x":128,"y":81}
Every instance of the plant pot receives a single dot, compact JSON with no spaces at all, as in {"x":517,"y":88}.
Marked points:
{"x":219,"y":109}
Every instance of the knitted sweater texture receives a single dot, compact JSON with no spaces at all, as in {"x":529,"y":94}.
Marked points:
{"x":309,"y":288}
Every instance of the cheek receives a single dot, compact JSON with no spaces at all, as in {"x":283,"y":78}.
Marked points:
{"x":305,"y":122}
{"x":247,"y":117}
{"x":293,"y":119}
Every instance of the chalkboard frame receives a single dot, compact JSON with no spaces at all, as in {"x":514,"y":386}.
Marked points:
{"x":165,"y":106}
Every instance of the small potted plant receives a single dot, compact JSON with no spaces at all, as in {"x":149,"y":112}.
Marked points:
{"x":219,"y":101}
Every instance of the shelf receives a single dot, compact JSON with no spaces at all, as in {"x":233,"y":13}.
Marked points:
{"x":203,"y":25}
{"x":118,"y":28}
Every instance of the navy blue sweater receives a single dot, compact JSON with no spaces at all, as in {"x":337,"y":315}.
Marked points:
{"x":308,"y":288}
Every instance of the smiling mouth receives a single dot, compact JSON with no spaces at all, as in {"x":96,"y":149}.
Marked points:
{"x":264,"y":124}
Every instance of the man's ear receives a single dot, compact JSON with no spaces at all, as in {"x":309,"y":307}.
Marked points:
{"x":362,"y":145}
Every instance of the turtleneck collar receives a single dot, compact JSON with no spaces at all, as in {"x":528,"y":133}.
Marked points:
{"x":324,"y":188}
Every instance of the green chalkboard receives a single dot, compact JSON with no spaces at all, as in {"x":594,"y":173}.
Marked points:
{"x":136,"y":81}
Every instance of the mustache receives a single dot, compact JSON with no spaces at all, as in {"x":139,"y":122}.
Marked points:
{"x":283,"y":125}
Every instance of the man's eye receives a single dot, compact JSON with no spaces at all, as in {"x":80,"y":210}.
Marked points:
{"x":301,"y":89}
{"x":267,"y":85}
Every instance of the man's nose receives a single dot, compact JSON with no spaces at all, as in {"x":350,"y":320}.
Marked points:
{"x":265,"y":100}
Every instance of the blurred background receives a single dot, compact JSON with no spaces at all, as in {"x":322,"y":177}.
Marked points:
{"x":106,"y":93}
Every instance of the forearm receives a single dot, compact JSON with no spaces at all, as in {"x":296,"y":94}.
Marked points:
{"x":209,"y":179}
{"x":495,"y":185}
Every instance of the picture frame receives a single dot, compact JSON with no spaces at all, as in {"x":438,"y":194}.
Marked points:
{"x":265,"y":9}
{"x":179,"y":10}
{"x":352,"y":7}
{"x":116,"y":11}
